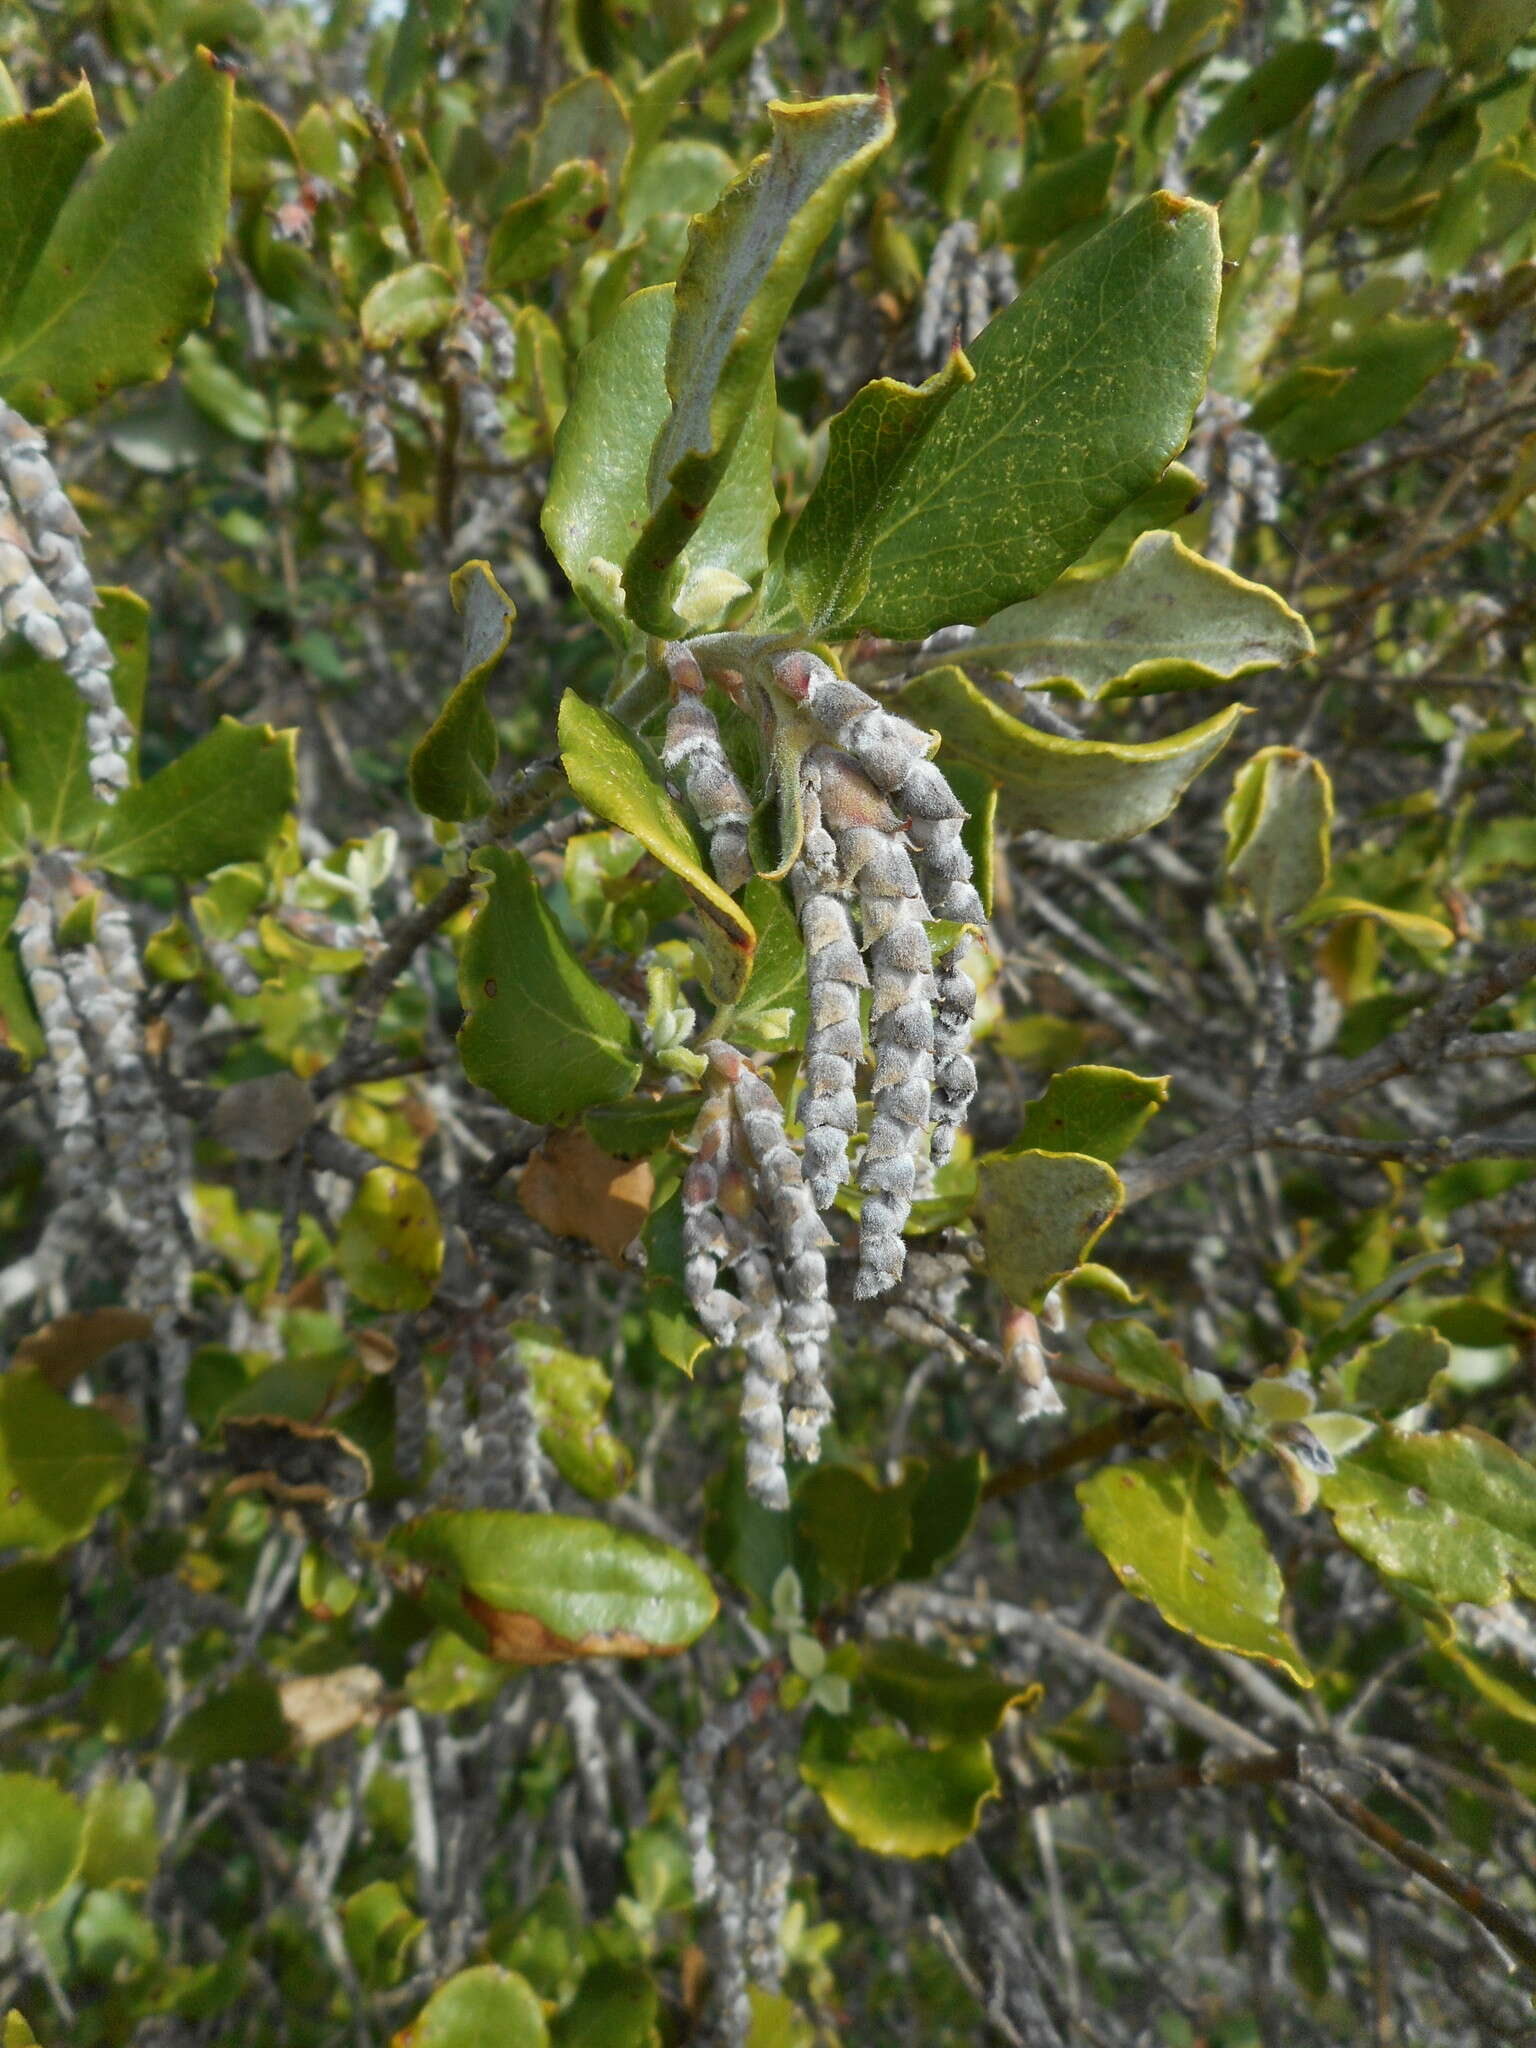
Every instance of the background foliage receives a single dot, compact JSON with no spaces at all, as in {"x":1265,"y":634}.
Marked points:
{"x":392,"y":1648}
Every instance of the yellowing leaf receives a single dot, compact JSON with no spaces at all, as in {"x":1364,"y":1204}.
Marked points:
{"x":611,"y":776}
{"x":389,"y":1248}
{"x":1181,"y":1535}
{"x":890,"y":1794}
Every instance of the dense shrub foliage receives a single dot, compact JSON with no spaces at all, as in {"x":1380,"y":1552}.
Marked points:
{"x":767,"y":1260}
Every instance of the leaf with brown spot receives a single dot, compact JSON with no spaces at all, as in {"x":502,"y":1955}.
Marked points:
{"x":547,"y":1589}
{"x":575,"y":1189}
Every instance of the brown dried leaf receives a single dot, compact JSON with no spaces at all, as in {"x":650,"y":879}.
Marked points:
{"x":319,"y":1709}
{"x":297,"y":1462}
{"x":576,"y":1189}
{"x":70,"y":1345}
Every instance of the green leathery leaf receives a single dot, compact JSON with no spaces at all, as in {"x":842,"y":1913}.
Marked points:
{"x":413,"y":303}
{"x":1147,"y":1363}
{"x":938,"y":1699}
{"x":451,"y":766}
{"x":1061,"y":195}
{"x":32,"y":1596}
{"x":1425,"y":934}
{"x":41,"y":155}
{"x":122,"y":1845}
{"x":610,"y":775}
{"x":1453,"y":1513}
{"x":1481,"y":33}
{"x":942,"y":1500}
{"x":389,"y":1247}
{"x":534,"y":235}
{"x":1040,"y":1213}
{"x":669,"y":1314}
{"x":597,"y":502}
{"x":539,"y":1033}
{"x":1257,"y":307}
{"x":1096,"y":1111}
{"x":544,"y":1589}
{"x":1279,"y":821}
{"x":641,"y":1127}
{"x":42,"y":1835}
{"x":616,"y":2005}
{"x":223,"y":800}
{"x":570,"y":1400}
{"x":1164,"y":620}
{"x":128,"y":266}
{"x":42,"y":719}
{"x":1084,"y":392}
{"x":746,"y":261}
{"x":1367,"y":383}
{"x":60,"y":1465}
{"x":1074,"y":789}
{"x":379,"y":1927}
{"x":220,"y":395}
{"x":860,"y":1532}
{"x":585,"y":119}
{"x":483,"y":2007}
{"x":870,"y":447}
{"x":1175,"y":493}
{"x":241,"y":1719}
{"x":892,"y":1795}
{"x":1180,"y":1534}
{"x":1272,"y":94}
{"x":777,"y":985}
{"x":1396,"y":1372}
{"x":16,"y":2033}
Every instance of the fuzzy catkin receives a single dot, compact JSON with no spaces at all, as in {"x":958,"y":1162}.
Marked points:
{"x":693,"y":748}
{"x":835,"y":973}
{"x":893,"y":755}
{"x":46,"y":594}
{"x":798,"y":1236}
{"x":873,"y":858}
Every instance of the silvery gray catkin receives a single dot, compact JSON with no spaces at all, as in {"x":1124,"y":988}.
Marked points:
{"x":693,"y":749}
{"x":46,"y":594}
{"x":117,"y":1142}
{"x":873,"y":858}
{"x":893,"y":754}
{"x":835,"y":974}
{"x":748,"y":1211}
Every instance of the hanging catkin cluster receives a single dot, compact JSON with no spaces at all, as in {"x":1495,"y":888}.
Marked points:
{"x":881,"y":856}
{"x":742,"y":1859}
{"x":380,"y":391}
{"x":884,"y":826}
{"x":118,"y":1147}
{"x":748,"y":1214}
{"x":46,"y":594}
{"x":482,"y":351}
